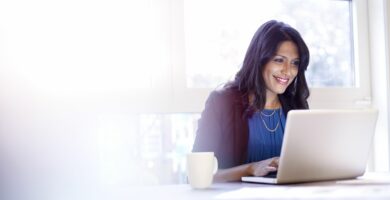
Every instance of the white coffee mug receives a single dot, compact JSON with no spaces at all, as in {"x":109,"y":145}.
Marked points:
{"x":201,"y":167}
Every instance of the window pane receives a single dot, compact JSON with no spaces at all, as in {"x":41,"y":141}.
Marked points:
{"x":100,"y":46}
{"x":216,"y":37}
{"x":145,"y":149}
{"x":166,"y":139}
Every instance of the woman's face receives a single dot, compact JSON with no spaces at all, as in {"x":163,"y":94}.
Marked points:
{"x":281,"y":70}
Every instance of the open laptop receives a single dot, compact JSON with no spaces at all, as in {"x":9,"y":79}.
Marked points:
{"x":321,"y":145}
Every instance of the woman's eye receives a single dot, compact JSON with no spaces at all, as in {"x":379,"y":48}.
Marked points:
{"x":296,"y":63}
{"x":278,"y":60}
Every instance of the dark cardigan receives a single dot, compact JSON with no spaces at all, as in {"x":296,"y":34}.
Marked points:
{"x":223,"y":128}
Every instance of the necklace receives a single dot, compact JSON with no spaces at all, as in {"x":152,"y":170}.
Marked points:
{"x":265,"y":124}
{"x":269,"y":114}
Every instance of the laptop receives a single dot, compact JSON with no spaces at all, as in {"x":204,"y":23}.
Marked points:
{"x":322,"y":145}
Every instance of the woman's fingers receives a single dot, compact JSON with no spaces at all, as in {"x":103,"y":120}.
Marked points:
{"x":264,"y":170}
{"x":274,"y":162}
{"x":264,"y":167}
{"x":270,"y":169}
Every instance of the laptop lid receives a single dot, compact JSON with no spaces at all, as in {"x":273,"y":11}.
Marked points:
{"x":323,"y":145}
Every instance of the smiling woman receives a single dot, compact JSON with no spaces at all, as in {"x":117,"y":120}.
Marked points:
{"x":270,"y":83}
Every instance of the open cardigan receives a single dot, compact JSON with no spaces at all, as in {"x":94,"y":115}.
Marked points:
{"x":223,"y":127}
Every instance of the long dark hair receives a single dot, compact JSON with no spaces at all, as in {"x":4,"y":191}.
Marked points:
{"x":262,"y":48}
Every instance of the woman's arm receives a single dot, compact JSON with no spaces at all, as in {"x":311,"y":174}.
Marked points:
{"x":260,"y":168}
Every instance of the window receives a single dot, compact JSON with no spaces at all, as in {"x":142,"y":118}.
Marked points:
{"x":216,"y":43}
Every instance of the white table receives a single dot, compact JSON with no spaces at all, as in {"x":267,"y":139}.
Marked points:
{"x":371,"y":186}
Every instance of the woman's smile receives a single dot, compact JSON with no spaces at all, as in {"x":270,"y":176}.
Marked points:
{"x":282,"y":81}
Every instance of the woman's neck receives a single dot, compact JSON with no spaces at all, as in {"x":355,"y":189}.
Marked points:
{"x":272,"y":102}
{"x":272,"y":105}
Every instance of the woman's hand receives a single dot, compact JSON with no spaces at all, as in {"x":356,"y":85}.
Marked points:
{"x":264,"y":167}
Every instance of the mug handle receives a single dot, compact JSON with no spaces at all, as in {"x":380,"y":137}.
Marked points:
{"x":215,"y":165}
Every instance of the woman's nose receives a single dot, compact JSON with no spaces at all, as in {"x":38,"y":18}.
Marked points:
{"x":287,"y":68}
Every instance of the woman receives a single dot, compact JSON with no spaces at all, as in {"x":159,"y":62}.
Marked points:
{"x":243,"y":123}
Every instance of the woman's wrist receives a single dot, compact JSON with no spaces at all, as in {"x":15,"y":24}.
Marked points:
{"x":234,"y":173}
{"x":248,"y":169}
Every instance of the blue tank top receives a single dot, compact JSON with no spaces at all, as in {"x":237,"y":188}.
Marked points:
{"x":266,"y":130}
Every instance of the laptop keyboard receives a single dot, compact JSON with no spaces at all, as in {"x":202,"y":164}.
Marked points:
{"x":271,"y":175}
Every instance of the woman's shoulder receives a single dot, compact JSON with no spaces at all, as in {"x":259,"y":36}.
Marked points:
{"x":226,"y":98}
{"x":227,"y":94}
